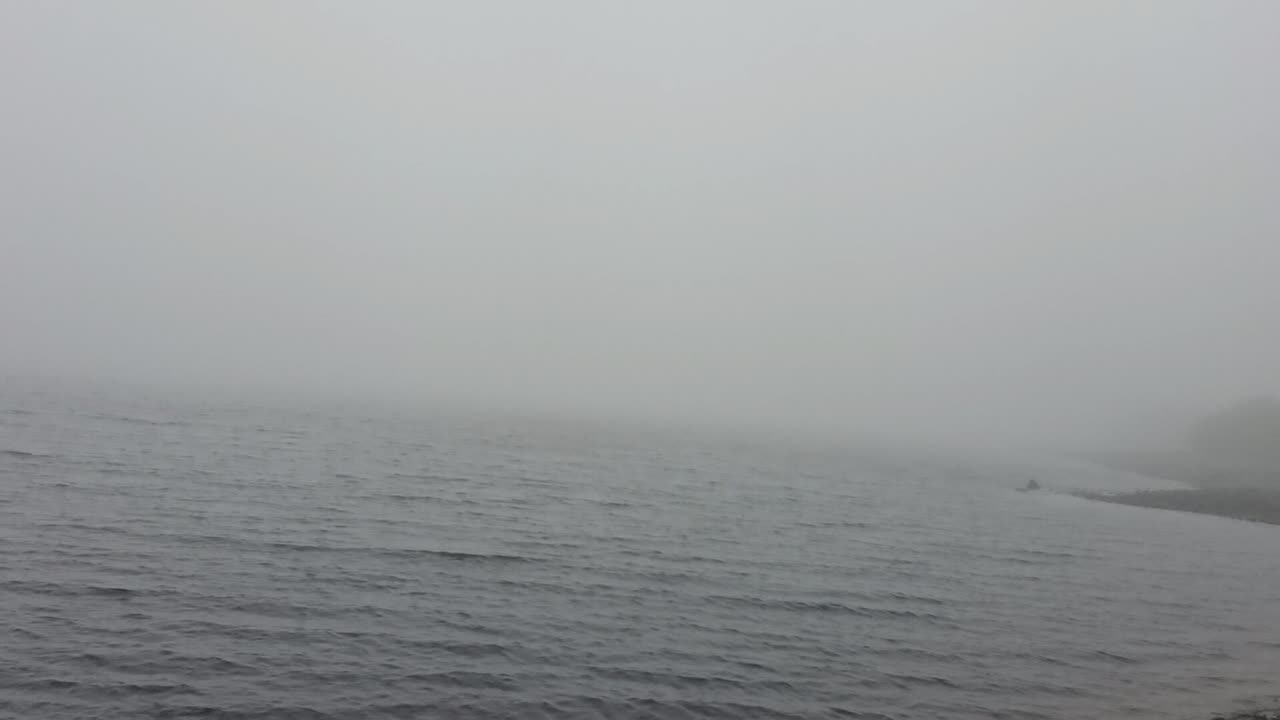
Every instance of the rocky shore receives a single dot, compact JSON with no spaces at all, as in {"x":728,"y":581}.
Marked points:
{"x":1235,"y":488}
{"x":1254,"y":504}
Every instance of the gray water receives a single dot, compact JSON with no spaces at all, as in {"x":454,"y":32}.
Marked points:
{"x":169,"y":557}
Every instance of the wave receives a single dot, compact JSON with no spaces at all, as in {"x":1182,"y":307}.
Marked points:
{"x":298,"y":547}
{"x":35,"y":587}
{"x":803,"y":606}
{"x":690,"y":682}
{"x":462,"y":679}
{"x":903,"y":680}
{"x":134,"y":420}
{"x":103,"y":690}
{"x":25,"y":455}
{"x":404,"y":553}
{"x":284,"y":712}
{"x":428,"y":476}
{"x":584,"y":707}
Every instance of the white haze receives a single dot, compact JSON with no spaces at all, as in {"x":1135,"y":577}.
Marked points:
{"x":990,"y":219}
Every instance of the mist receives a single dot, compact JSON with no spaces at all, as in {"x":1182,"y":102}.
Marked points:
{"x":1041,"y":222}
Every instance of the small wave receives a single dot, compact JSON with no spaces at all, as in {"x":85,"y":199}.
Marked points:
{"x":298,"y":712}
{"x":822,"y":607}
{"x":672,"y":557}
{"x":463,"y":679}
{"x":1115,"y":657}
{"x":686,"y":682}
{"x":428,"y":476}
{"x":82,"y":526}
{"x":1042,"y":658}
{"x":930,"y":656}
{"x":411,"y":498}
{"x":1049,"y":554}
{"x":459,"y":555}
{"x":190,"y":666}
{"x":610,"y":503}
{"x":845,"y":713}
{"x":25,"y":455}
{"x":289,"y":611}
{"x":47,"y":684}
{"x":99,"y":690}
{"x":34,"y":587}
{"x":115,"y":592}
{"x":26,"y":634}
{"x":592,"y":707}
{"x":905,"y":597}
{"x":475,"y":650}
{"x":133,"y":420}
{"x":405,"y":553}
{"x":905,"y":681}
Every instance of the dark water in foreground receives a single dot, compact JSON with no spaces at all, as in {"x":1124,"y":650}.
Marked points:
{"x":167,"y":558}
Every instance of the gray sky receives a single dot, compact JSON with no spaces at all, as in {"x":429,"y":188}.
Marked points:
{"x":979,"y":216}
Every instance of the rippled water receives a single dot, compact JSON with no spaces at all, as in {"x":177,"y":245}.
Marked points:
{"x":168,"y":557}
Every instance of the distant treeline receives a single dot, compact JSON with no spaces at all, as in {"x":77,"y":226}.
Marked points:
{"x":1236,"y":447}
{"x":1248,"y":434}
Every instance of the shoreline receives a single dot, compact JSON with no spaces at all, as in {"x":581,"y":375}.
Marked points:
{"x":1252,"y":504}
{"x":1214,"y":486}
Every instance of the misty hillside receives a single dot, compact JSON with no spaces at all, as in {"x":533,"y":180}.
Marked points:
{"x":1246,"y":435}
{"x":1238,"y":446}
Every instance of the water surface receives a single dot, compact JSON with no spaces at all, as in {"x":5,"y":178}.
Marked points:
{"x":167,"y":557}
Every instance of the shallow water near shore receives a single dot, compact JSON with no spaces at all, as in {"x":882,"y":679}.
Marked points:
{"x":181,"y":557}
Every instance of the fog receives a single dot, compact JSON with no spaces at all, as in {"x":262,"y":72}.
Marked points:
{"x":998,"y":220}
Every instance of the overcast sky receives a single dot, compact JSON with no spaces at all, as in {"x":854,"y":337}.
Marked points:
{"x":987,"y":216}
